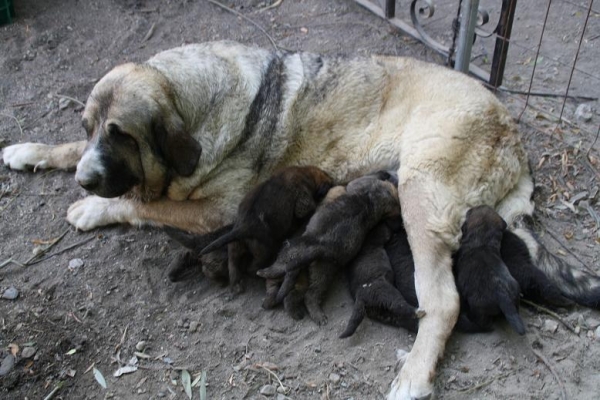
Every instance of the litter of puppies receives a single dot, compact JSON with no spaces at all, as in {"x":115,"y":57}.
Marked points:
{"x":298,"y":231}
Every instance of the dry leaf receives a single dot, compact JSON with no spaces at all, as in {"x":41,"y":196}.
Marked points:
{"x":99,"y":378}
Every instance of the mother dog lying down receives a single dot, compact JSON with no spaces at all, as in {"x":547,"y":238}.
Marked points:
{"x":180,"y":139}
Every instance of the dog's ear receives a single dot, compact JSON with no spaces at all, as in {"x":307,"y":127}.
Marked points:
{"x":180,"y":150}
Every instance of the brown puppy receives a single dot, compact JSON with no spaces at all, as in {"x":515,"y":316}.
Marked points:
{"x":269,"y":214}
{"x":333,"y":237}
{"x":187,"y":263}
{"x":372,"y":285}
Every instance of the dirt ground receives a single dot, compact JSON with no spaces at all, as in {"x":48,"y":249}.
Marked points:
{"x":95,"y":314}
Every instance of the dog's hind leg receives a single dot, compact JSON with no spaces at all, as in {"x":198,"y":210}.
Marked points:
{"x":435,"y":287}
{"x":36,"y":156}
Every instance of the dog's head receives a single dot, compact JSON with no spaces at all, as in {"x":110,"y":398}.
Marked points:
{"x":136,"y":137}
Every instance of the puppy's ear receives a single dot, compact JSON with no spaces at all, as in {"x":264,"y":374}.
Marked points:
{"x":180,"y":150}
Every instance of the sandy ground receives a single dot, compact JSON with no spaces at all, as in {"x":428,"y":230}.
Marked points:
{"x":96,"y":314}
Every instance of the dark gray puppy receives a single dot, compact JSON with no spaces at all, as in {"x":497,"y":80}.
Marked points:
{"x":372,"y":285}
{"x":333,"y":237}
{"x":267,"y":215}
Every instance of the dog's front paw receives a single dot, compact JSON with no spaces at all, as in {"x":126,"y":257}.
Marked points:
{"x":26,"y":156}
{"x":93,"y":211}
{"x":408,"y":386}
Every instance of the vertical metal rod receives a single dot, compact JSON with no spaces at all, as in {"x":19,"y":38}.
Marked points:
{"x":468,"y":20}
{"x":502,"y":40}
{"x":389,"y":8}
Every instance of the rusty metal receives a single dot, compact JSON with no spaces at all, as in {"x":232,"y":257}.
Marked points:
{"x":425,"y":9}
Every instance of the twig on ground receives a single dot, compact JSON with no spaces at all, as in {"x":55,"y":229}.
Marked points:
{"x":74,"y":245}
{"x":56,"y":389}
{"x":484,"y":383}
{"x":46,"y":249}
{"x":276,"y":4}
{"x":122,"y":338}
{"x":150,"y":32}
{"x":10,"y":260}
{"x":16,"y":120}
{"x":544,"y":360}
{"x":73,"y":99}
{"x":551,"y":313}
{"x":553,"y":236}
{"x":18,"y":105}
{"x":273,"y":374}
{"x":239,"y":14}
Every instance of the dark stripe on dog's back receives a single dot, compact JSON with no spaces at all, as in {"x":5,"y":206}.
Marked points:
{"x":261,"y":120}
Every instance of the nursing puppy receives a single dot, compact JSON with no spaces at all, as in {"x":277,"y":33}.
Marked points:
{"x":484,"y":282}
{"x":533,"y":283}
{"x":269,"y":214}
{"x":333,"y":237}
{"x":372,"y":285}
{"x":188,"y":263}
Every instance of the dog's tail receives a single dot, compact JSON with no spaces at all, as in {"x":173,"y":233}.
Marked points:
{"x":231,"y":236}
{"x":510,"y":311}
{"x":358,"y":314}
{"x":577,"y":284}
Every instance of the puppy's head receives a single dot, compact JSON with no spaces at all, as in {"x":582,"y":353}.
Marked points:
{"x":382,"y":192}
{"x":484,"y":225}
{"x":136,"y":136}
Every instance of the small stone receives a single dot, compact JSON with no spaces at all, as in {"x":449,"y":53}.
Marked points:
{"x":550,"y":326}
{"x":451,"y":379}
{"x":268,"y":390}
{"x":180,"y":323}
{"x":75,"y":264}
{"x":584,"y":112}
{"x":335,"y":378}
{"x":281,"y":390}
{"x":28,"y":352}
{"x":597,"y":333}
{"x":593,"y":323}
{"x":7,"y":364}
{"x":141,"y":345}
{"x":10,"y":294}
{"x":194,"y":326}
{"x":161,"y":394}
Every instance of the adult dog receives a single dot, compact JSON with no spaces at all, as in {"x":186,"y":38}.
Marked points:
{"x":182,"y":137}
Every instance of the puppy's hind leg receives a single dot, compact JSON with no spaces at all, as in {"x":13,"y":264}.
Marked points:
{"x":321,"y":276}
{"x":239,"y":257}
{"x":358,"y":314}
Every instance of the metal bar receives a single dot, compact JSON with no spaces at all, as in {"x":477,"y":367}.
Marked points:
{"x":409,"y":30}
{"x":468,"y":21}
{"x":504,"y":29}
{"x":389,"y":8}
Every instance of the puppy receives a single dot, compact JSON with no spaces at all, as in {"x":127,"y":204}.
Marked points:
{"x":372,"y":285}
{"x":487,"y":287}
{"x":333,"y":237}
{"x":268,"y":215}
{"x":187,"y":263}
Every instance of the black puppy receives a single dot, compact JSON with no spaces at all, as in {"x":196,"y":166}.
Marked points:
{"x":269,"y":214}
{"x":372,"y":285}
{"x":333,"y":237}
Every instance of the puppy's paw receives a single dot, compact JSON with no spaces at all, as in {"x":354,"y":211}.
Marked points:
{"x":93,"y":211}
{"x":26,"y":156}
{"x":275,"y":271}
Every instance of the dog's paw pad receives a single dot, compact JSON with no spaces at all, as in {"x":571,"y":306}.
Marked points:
{"x":26,"y":156}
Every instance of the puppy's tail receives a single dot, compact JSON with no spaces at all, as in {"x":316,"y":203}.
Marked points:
{"x":575,"y":283}
{"x":510,"y":311}
{"x":231,"y":236}
{"x":358,"y":314}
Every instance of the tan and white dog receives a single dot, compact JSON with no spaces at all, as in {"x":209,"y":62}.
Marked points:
{"x":180,"y":139}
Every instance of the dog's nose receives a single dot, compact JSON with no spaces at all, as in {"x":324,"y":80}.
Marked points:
{"x":88,"y":181}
